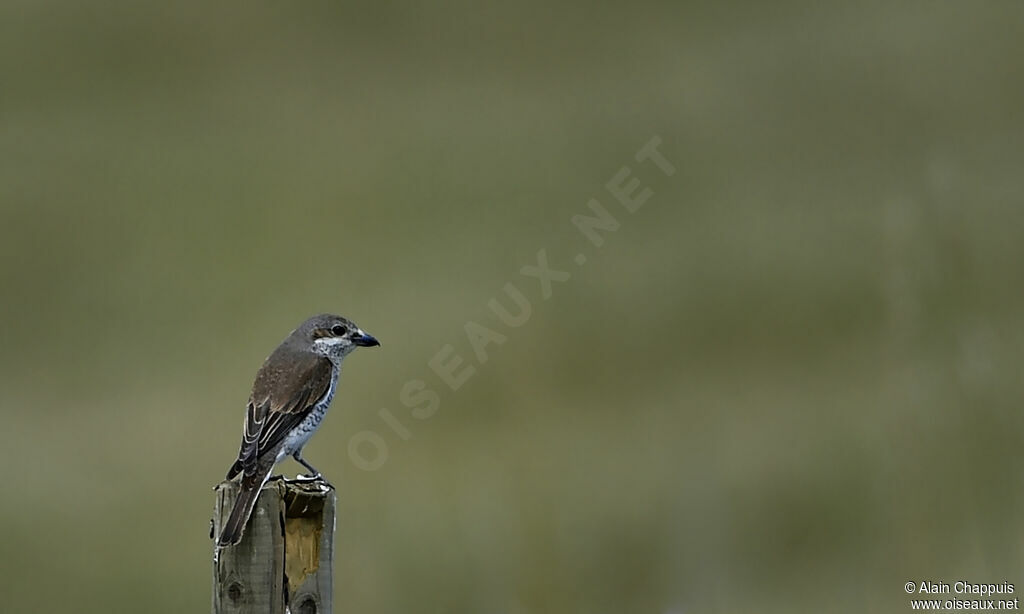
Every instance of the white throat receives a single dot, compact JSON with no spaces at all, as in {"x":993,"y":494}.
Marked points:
{"x":334,"y":348}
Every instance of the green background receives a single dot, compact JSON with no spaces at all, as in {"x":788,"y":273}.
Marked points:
{"x":790,"y":382}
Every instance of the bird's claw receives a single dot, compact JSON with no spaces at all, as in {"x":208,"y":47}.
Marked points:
{"x":313,"y":478}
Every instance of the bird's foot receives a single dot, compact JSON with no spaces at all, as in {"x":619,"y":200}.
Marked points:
{"x":316,"y":477}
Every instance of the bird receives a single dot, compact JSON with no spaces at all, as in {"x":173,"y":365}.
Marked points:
{"x":290,"y":396}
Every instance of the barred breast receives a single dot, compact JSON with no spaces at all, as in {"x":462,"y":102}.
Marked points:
{"x":301,"y":433}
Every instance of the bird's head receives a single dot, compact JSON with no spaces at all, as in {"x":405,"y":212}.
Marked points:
{"x":334,"y":336}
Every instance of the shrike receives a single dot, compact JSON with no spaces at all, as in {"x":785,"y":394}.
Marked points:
{"x":290,"y":396}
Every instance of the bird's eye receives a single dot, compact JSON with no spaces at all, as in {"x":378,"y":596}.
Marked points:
{"x":339,"y":330}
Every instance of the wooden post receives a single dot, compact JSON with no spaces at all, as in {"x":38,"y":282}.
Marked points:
{"x":284,"y":561}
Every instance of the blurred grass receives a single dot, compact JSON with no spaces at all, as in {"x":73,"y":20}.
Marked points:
{"x":788,"y":383}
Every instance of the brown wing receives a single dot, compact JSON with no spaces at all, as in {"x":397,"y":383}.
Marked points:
{"x":287,"y":387}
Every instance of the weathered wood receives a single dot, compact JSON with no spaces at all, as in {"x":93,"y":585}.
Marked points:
{"x":284,"y":561}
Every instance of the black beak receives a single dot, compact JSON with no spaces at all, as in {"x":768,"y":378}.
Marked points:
{"x":364,"y":340}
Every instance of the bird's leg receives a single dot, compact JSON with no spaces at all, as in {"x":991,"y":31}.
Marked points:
{"x":313,"y":473}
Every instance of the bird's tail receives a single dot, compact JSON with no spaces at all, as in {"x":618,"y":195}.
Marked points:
{"x":248,"y":493}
